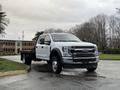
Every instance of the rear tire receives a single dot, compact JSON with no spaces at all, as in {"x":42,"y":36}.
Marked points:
{"x":56,"y":65}
{"x":26,"y":60}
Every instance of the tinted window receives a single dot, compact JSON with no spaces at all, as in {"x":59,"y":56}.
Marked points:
{"x":41,"y":38}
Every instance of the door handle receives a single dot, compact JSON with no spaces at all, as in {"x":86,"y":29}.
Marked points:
{"x":36,"y":46}
{"x":41,"y":46}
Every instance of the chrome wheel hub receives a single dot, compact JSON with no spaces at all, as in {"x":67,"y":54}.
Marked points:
{"x":23,"y":60}
{"x":54,"y":66}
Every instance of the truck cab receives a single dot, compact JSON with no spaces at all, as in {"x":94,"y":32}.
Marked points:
{"x":64,"y":50}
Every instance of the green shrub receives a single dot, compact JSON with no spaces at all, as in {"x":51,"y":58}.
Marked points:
{"x":112,"y":51}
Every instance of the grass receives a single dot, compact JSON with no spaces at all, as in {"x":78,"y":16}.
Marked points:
{"x":7,"y":65}
{"x":110,"y":56}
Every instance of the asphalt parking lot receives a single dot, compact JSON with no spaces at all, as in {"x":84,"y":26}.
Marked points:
{"x":106,"y":77}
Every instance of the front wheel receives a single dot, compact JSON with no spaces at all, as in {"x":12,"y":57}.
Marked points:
{"x":56,"y":65}
{"x":92,"y":68}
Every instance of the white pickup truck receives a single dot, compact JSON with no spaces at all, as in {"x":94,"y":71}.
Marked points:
{"x":63,"y":50}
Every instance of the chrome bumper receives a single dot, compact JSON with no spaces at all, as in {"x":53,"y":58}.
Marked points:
{"x":80,"y":60}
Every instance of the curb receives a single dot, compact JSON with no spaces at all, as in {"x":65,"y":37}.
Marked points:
{"x":12,"y":73}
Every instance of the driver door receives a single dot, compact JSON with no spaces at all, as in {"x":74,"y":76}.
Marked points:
{"x":46,"y":48}
{"x":39,"y":47}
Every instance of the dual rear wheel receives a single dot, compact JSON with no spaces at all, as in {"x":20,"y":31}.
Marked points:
{"x":26,"y":60}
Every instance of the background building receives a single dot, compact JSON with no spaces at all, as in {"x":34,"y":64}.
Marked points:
{"x":14,"y":46}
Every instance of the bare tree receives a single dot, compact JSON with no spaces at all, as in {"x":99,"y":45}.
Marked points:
{"x":100,"y":31}
{"x":37,"y":36}
{"x":93,"y":31}
{"x":85,"y":31}
{"x":114,"y":32}
{"x":52,"y":30}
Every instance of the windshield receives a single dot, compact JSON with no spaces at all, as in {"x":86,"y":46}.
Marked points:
{"x":64,"y":38}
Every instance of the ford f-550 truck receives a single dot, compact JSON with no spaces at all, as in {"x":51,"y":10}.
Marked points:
{"x":63,"y":50}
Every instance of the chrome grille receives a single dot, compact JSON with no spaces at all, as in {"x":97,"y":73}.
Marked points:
{"x":83,"y":55}
{"x":82,"y":52}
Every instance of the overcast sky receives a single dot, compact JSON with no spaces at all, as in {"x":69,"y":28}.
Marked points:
{"x":31,"y":16}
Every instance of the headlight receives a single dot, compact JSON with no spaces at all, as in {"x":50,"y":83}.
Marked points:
{"x":96,"y":51}
{"x":66,"y":50}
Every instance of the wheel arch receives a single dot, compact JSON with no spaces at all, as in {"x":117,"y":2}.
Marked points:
{"x":56,"y":51}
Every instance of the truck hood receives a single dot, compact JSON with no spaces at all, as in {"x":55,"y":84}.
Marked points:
{"x":74,"y":44}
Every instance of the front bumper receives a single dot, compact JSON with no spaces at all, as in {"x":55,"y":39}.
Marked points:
{"x":87,"y":65}
{"x":80,"y":62}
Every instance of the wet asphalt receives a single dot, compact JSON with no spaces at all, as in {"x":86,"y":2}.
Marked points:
{"x":106,"y":77}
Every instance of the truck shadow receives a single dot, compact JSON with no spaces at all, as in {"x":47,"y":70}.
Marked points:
{"x":40,"y":67}
{"x":68,"y":73}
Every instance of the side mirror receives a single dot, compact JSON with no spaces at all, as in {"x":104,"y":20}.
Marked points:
{"x":42,"y":41}
{"x":47,"y":42}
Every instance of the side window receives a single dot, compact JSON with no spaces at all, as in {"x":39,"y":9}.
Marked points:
{"x":47,"y":40}
{"x":41,"y":39}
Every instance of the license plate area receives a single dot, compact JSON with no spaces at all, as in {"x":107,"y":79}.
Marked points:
{"x":83,"y":60}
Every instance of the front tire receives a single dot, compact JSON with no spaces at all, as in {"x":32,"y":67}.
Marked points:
{"x":56,"y":65}
{"x":91,"y":69}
